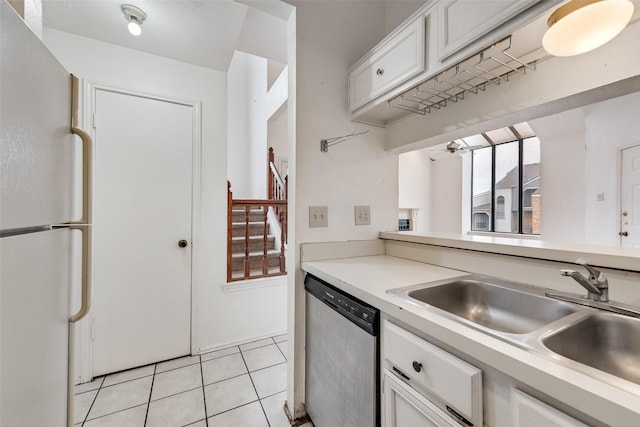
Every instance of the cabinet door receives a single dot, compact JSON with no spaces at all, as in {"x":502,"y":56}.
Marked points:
{"x":402,"y":57}
{"x":463,"y":21}
{"x":530,"y":412}
{"x":450,"y":380}
{"x":404,"y":407}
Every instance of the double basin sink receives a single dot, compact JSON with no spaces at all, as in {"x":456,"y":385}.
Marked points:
{"x":575,"y":336}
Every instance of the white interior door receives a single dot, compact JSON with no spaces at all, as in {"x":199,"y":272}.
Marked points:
{"x":630,"y":198}
{"x":142,"y":209}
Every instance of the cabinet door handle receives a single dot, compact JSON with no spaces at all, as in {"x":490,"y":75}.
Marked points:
{"x":417,"y":366}
{"x":380,"y":71}
{"x":623,"y":233}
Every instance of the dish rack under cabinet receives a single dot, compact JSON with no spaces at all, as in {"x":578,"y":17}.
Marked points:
{"x":491,"y":66}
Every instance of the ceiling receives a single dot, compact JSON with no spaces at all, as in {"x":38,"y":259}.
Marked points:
{"x":199,"y":32}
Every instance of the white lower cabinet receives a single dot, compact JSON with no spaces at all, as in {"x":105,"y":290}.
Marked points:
{"x":530,"y":412}
{"x":404,"y":407}
{"x":424,"y":382}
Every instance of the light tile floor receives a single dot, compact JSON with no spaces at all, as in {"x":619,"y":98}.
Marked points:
{"x":240,"y":386}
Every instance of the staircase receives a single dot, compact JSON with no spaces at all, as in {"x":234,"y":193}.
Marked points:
{"x":257,"y":230}
{"x":250,"y":227}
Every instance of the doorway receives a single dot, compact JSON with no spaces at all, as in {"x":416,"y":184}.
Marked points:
{"x":630,"y":198}
{"x":143,"y":202}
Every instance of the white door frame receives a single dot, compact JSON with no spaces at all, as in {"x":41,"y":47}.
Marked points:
{"x":620,"y":178}
{"x":84,"y":335}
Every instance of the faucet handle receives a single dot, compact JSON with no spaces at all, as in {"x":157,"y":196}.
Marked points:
{"x":594,"y":275}
{"x":592,"y":271}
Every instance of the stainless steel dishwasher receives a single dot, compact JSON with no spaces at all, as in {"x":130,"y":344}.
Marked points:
{"x":342,"y":358}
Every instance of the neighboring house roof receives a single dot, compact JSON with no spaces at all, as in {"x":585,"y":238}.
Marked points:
{"x":531,"y":172}
{"x":534,"y":183}
{"x":482,"y":208}
{"x":531,"y":179}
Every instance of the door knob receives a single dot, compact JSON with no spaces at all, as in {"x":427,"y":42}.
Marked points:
{"x":623,"y":233}
{"x":182,"y":243}
{"x":417,"y":366}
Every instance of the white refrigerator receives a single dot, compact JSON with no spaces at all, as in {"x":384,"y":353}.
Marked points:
{"x":37,"y":231}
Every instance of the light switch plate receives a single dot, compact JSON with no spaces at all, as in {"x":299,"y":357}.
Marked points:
{"x":363,"y":215}
{"x":318,"y":216}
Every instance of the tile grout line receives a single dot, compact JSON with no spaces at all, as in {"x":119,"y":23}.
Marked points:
{"x":280,"y":350}
{"x":126,"y":381}
{"x":93,"y":402}
{"x":219,"y":357}
{"x":254,"y":387}
{"x":146,"y":415}
{"x":204,"y":396}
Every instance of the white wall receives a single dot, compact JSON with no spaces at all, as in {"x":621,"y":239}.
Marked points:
{"x":580,"y":160}
{"x":224,"y":318}
{"x":277,"y":131}
{"x":610,"y":126}
{"x":446,"y":194}
{"x":238,"y":119}
{"x":562,"y":172}
{"x":249,"y":109}
{"x":329,"y":38}
{"x":396,"y":11}
{"x":414,"y":186}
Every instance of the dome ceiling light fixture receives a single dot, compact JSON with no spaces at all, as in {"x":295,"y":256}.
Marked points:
{"x":583,"y":25}
{"x":135,"y":16}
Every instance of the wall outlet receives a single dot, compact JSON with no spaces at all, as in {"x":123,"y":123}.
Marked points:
{"x":318,"y":216}
{"x":363,"y":215}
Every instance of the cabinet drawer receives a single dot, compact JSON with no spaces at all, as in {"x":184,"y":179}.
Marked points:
{"x":398,"y":60}
{"x":461,"y":22}
{"x":453,"y":382}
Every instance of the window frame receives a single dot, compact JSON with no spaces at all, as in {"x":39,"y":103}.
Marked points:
{"x":493,"y":214}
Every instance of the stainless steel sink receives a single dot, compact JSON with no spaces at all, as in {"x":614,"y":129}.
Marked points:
{"x":610,"y":343}
{"x":511,"y":308}
{"x":586,"y":339}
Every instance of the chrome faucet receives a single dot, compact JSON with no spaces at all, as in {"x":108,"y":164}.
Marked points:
{"x":598,"y":287}
{"x":596,"y":283}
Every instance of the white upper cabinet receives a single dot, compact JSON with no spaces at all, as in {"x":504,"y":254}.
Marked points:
{"x":400,"y":58}
{"x":461,"y":22}
{"x":439,"y":35}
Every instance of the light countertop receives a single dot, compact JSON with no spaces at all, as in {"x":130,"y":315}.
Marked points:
{"x":369,"y":277}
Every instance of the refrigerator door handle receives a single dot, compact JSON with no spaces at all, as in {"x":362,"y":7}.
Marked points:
{"x":84,"y":223}
{"x":87,"y":262}
{"x":87,"y":176}
{"x":87,"y":157}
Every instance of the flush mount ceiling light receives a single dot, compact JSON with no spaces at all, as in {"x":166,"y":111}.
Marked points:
{"x":583,"y":25}
{"x":135,"y":16}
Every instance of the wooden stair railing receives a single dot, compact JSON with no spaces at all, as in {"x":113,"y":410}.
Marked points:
{"x":260,"y":207}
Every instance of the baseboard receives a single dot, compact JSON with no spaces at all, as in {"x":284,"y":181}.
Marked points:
{"x":240,"y":342}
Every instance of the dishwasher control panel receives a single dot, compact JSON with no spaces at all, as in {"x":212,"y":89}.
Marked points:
{"x":362,"y":314}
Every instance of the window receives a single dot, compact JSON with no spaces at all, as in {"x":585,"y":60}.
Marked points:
{"x":481,"y":221}
{"x":506,"y":186}
{"x":500,"y":207}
